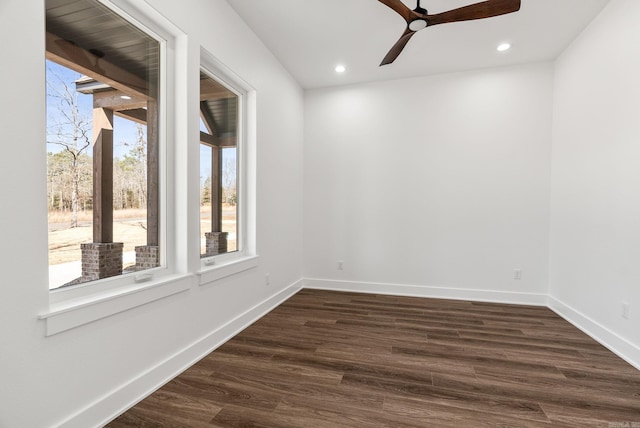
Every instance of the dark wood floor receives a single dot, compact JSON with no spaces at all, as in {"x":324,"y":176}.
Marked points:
{"x":329,"y":359}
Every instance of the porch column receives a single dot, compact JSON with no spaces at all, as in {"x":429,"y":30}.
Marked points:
{"x":102,"y":175}
{"x":216,"y":240}
{"x":102,"y":258}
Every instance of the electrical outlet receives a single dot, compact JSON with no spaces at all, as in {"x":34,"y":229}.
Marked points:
{"x":517,"y":274}
{"x":267,"y":280}
{"x":625,"y":310}
{"x":340,"y":265}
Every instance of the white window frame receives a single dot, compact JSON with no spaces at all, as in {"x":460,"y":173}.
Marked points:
{"x":245,"y":257}
{"x":70,"y":307}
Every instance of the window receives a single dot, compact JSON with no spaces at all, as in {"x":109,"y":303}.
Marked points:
{"x":118,"y":194}
{"x":103,"y":138}
{"x":219,"y":139}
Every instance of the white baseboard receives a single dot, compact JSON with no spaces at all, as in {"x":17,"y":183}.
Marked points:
{"x":428,"y":291}
{"x":119,"y":400}
{"x":616,"y":344}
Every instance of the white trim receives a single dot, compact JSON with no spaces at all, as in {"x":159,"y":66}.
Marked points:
{"x":226,"y":269}
{"x":74,"y":313}
{"x":428,"y":291}
{"x":119,"y":400}
{"x":601,"y":334}
{"x":245,"y":151}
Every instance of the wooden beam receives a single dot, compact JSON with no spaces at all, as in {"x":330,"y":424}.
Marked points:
{"x":208,"y":119}
{"x":102,"y":175}
{"x":74,"y":57}
{"x":210,"y":141}
{"x":114,"y":100}
{"x":216,"y":95}
{"x":138,"y":115}
{"x":228,"y":141}
{"x":212,"y":90}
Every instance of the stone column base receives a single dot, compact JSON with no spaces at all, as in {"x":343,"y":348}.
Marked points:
{"x":101,"y":260}
{"x":216,"y":243}
{"x":147,"y":257}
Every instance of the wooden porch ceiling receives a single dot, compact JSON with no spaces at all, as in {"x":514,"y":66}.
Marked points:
{"x":219,"y":113}
{"x":107,"y":38}
{"x":121,"y":66}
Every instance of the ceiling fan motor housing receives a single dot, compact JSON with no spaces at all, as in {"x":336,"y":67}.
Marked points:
{"x":418,"y":24}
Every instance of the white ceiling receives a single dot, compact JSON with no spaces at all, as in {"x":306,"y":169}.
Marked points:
{"x":311,"y":37}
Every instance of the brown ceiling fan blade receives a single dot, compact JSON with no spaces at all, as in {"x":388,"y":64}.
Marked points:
{"x":485,"y":9}
{"x":398,"y":47}
{"x":400,"y":8}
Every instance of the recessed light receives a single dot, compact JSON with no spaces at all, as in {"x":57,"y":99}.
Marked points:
{"x":340,"y":68}
{"x":125,"y":97}
{"x":504,"y":47}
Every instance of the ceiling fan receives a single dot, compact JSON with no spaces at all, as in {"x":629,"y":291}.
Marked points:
{"x":419,"y":19}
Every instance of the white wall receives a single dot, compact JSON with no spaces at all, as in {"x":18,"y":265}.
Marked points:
{"x":47,"y":380}
{"x":438,"y":181}
{"x":595,"y":226}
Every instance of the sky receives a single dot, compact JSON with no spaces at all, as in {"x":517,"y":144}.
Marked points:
{"x":124,"y":131}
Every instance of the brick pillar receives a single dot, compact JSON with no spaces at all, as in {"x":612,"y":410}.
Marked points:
{"x":216,"y":243}
{"x":147,"y":257}
{"x":101,"y":260}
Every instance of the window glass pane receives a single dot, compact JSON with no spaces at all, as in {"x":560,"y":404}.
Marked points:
{"x":205,"y":195}
{"x":102,"y":142}
{"x":230,"y":195}
{"x":218,"y":168}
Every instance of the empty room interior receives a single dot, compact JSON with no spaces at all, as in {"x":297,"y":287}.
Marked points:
{"x":344,"y":213}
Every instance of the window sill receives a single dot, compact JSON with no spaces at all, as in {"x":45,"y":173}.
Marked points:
{"x":227,"y":268}
{"x":66,"y":315}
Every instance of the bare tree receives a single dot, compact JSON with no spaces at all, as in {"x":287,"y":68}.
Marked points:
{"x":69,"y":130}
{"x":135,"y":168}
{"x":229,"y":181}
{"x":205,"y":191}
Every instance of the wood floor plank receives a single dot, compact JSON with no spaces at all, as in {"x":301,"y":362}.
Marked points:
{"x":224,"y":363}
{"x":561,"y":415}
{"x":356,"y":355}
{"x":524,"y":340}
{"x":425,"y":412}
{"x":570,"y":396}
{"x":233,"y":416}
{"x":164,"y":408}
{"x":504,"y":345}
{"x":332,"y":359}
{"x":397,"y":372}
{"x":278,"y":388}
{"x":337,"y":415}
{"x":221,"y":392}
{"x":456,"y":399}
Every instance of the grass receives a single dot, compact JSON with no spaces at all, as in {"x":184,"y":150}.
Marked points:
{"x":64,"y":217}
{"x":129,"y":228}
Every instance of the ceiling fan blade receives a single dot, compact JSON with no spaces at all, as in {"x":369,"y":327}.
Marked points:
{"x":400,"y":8}
{"x":485,"y":9}
{"x":398,"y":47}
